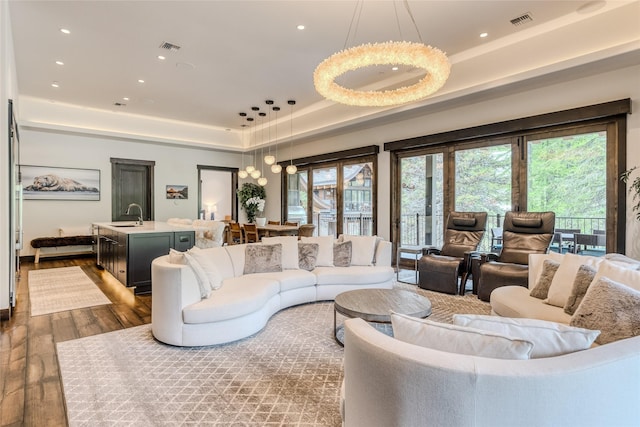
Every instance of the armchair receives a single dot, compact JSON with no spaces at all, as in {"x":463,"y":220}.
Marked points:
{"x":524,"y":233}
{"x":439,"y":269}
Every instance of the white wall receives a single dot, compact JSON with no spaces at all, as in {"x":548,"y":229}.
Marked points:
{"x":565,"y":93}
{"x":173,"y":165}
{"x":216,"y":190}
{"x":8,"y":90}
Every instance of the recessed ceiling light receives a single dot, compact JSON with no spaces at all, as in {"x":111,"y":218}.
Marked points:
{"x":140,"y":81}
{"x":300,"y":27}
{"x":125,"y":98}
{"x":162,"y":58}
{"x":65,"y":31}
{"x":55,"y":84}
{"x":394,"y":68}
{"x":483,"y":35}
{"x":59,"y":62}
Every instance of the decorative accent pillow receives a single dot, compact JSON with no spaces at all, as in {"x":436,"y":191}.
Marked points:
{"x":536,"y":262}
{"x":611,"y":307}
{"x":176,"y":257}
{"x":363,"y":249}
{"x":263,"y":258}
{"x":201,"y":276}
{"x":307,"y":255}
{"x":289,"y":250}
{"x":562,"y":282}
{"x":549,"y":338}
{"x":214,"y":278}
{"x":541,"y":289}
{"x":458,"y":339}
{"x":325,"y":249}
{"x":342,"y":254}
{"x":584,"y":277}
{"x":624,"y":274}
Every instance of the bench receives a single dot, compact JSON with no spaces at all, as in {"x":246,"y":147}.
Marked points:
{"x":56,"y":242}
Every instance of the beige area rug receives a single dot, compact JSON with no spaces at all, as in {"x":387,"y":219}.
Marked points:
{"x":61,"y":289}
{"x":288,"y":374}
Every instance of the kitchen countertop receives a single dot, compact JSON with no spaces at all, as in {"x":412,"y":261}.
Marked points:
{"x":129,"y":227}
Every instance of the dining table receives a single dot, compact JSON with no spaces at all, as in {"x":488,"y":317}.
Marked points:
{"x":270,"y":230}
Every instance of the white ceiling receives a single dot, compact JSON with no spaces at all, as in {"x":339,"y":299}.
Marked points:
{"x":237,"y":54}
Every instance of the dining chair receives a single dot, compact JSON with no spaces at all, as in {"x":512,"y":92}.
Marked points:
{"x":250,"y":233}
{"x":292,"y":223}
{"x":306,"y":230}
{"x":235,"y":233}
{"x":273,"y":222}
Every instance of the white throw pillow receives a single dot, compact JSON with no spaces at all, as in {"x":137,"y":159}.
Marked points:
{"x":458,"y":339}
{"x":214,"y":278}
{"x":325,"y":249}
{"x":201,"y":276}
{"x":562,"y":282}
{"x":289,"y":250}
{"x":625,"y":275}
{"x":549,"y":338}
{"x":363,"y":249}
{"x":176,"y":257}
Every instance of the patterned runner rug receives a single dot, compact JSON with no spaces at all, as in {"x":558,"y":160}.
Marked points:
{"x":288,"y":374}
{"x":61,"y":289}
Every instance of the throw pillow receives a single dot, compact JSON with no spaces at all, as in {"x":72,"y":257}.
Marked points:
{"x":584,"y":277}
{"x":536,"y":262}
{"x":625,"y":275}
{"x":263,"y":258}
{"x":458,"y":339}
{"x":363,"y":249}
{"x":204,"y":259}
{"x":342,"y":254}
{"x":201,"y":276}
{"x":562,"y":282}
{"x":541,"y":289}
{"x":176,"y":257}
{"x":549,"y":338}
{"x":289,"y":250}
{"x":325,"y":249}
{"x":307,"y":255}
{"x":611,"y":307}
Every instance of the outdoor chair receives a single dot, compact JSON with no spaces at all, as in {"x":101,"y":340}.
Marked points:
{"x":563,"y":240}
{"x":496,"y":239}
{"x":439,"y":269}
{"x":524,"y":233}
{"x":590,"y":244}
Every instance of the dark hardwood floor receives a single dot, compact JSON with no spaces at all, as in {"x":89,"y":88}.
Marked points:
{"x":30,"y":383}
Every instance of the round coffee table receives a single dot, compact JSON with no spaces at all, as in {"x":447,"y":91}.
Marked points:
{"x":376,"y":305}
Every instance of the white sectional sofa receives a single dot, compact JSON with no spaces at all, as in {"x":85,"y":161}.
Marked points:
{"x":244,"y":302}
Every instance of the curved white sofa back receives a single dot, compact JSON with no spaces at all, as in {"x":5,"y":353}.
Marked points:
{"x":175,"y":288}
{"x":392,"y":383}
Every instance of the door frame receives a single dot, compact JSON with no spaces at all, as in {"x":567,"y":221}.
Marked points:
{"x":149,"y":197}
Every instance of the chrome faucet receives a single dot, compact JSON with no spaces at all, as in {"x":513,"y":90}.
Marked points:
{"x":135,"y":205}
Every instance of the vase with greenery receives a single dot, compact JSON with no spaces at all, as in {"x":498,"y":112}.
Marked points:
{"x":633,"y":189}
{"x":250,"y":195}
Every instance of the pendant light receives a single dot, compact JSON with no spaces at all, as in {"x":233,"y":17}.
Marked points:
{"x":269,"y":159}
{"x":275,"y":167}
{"x":291,"y":169}
{"x":251,"y":168}
{"x":262,"y":180}
{"x":257,"y":173}
{"x":242,"y":173}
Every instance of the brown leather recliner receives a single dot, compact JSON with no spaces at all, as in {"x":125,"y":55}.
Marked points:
{"x":524,"y":233}
{"x":439,"y":269}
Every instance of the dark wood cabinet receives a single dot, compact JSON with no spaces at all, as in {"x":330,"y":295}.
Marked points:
{"x":128,"y":256}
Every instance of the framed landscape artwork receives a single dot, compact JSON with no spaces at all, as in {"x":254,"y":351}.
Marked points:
{"x":177,"y":192}
{"x":54,"y":183}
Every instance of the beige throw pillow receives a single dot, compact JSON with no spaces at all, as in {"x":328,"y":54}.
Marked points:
{"x":611,"y":307}
{"x":263,"y":258}
{"x":342,"y":254}
{"x":549,"y":338}
{"x":584,"y":277}
{"x":289,"y":250}
{"x":307,"y":255}
{"x":325,"y":249}
{"x":458,"y":339}
{"x":541,"y":289}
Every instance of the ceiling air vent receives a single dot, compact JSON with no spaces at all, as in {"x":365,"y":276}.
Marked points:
{"x":169,"y":46}
{"x":525,"y":18}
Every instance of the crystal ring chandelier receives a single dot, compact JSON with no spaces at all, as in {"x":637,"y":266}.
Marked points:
{"x":427,"y":58}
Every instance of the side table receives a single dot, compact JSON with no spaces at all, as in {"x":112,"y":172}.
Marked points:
{"x":416,"y":253}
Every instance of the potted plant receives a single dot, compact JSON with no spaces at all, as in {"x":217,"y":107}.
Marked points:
{"x":252,"y":199}
{"x":634,"y":189}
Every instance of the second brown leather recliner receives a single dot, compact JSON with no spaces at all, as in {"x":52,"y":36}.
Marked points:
{"x":524,"y":233}
{"x":439,"y":269}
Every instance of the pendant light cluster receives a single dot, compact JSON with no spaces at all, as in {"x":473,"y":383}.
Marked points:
{"x":254,"y":170}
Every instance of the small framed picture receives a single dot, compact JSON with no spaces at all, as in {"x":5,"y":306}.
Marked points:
{"x":177,"y":192}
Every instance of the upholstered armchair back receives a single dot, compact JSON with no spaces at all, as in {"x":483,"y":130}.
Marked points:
{"x":526,"y":233}
{"x":463,"y":233}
